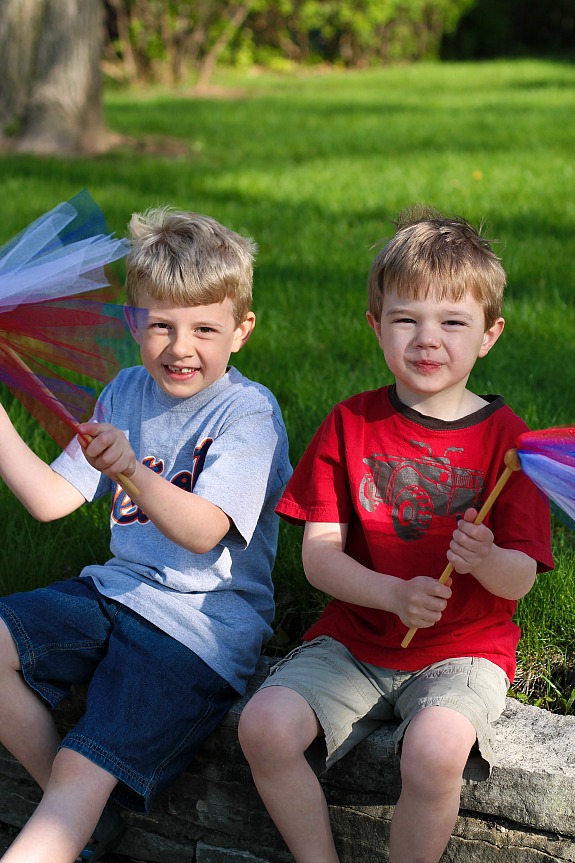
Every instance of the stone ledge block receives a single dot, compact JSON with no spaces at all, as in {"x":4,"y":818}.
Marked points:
{"x":525,"y":813}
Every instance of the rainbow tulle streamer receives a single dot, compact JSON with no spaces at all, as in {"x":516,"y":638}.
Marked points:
{"x":548,"y":458}
{"x":46,"y":322}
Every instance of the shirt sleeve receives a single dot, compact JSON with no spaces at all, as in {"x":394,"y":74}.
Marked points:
{"x":244,"y":468}
{"x":522,"y":521}
{"x":520,"y":518}
{"x":319,"y":488}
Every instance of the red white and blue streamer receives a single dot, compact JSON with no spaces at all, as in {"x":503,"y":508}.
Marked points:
{"x":547,"y":457}
{"x":56,"y":316}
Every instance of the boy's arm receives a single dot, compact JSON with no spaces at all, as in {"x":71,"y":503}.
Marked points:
{"x":45,"y":494}
{"x":505,"y":572}
{"x":185,"y":518}
{"x":418,"y":601}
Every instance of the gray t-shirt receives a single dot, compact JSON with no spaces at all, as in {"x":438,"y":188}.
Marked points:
{"x":228,"y":444}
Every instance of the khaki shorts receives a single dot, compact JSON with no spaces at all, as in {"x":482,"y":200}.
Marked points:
{"x":352,"y":698}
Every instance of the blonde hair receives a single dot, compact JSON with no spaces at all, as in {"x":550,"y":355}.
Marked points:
{"x":434,"y":255}
{"x":189,"y":260}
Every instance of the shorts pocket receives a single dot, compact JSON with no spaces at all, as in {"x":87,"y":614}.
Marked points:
{"x":490,"y":684}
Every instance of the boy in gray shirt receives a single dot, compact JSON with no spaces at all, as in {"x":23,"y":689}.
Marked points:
{"x":167,"y":632}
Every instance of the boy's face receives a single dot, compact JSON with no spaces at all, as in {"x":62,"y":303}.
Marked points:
{"x":187,"y":348}
{"x":431,"y":346}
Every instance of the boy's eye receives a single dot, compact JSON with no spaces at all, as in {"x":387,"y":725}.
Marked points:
{"x":158,"y":325}
{"x":205,"y":330}
{"x":455,"y":323}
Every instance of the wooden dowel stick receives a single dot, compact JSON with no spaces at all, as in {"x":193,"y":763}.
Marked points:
{"x":512,"y":464}
{"x":126,"y":483}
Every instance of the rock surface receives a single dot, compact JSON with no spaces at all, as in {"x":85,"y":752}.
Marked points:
{"x":525,"y":813}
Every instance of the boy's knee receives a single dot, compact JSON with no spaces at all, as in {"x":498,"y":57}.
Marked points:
{"x":430,"y":771}
{"x":259,"y":725}
{"x":434,"y":752}
{"x":276,"y":724}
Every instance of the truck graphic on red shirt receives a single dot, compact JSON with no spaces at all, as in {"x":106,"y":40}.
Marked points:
{"x":418,"y":487}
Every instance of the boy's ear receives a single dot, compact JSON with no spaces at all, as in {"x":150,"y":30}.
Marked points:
{"x":135,"y":318}
{"x":375,"y":325}
{"x":490,"y":336}
{"x":243,"y":332}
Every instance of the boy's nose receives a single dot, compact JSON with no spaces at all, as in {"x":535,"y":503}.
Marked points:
{"x":182,"y":345}
{"x":427,"y":336}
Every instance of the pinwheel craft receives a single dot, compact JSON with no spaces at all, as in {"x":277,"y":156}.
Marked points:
{"x":547,"y":458}
{"x":56,"y":314}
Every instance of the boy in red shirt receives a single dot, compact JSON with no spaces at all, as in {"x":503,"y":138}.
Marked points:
{"x":388,"y":491}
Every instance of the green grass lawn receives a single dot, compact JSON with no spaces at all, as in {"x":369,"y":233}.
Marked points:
{"x":315,"y":166}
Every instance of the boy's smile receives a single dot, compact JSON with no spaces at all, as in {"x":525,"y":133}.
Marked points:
{"x":431,"y":346}
{"x":187,"y":348}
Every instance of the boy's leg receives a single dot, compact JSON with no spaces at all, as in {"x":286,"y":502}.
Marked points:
{"x":33,"y":622}
{"x":276,"y":727}
{"x":26,"y":726}
{"x":435,"y":749}
{"x":64,"y":820}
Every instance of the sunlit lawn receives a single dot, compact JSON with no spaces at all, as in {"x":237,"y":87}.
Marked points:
{"x":314,"y":167}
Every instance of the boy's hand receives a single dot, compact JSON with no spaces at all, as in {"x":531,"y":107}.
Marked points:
{"x":109,"y":450}
{"x":471,"y":543}
{"x":422,"y":601}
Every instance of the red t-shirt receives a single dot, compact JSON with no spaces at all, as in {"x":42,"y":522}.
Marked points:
{"x":401,"y":480}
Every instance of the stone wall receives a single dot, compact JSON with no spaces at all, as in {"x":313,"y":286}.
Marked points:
{"x":524,"y":814}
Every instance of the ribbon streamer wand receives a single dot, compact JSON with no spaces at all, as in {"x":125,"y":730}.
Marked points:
{"x":512,"y":464}
{"x":65,"y":414}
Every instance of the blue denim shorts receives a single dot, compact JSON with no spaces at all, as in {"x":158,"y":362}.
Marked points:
{"x":151,"y":702}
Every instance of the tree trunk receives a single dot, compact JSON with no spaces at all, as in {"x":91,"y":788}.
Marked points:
{"x":19,"y":20}
{"x":123,"y":24}
{"x":235,"y":19}
{"x":55,"y":48}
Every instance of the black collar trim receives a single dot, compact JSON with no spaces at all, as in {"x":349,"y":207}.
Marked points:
{"x":494,"y":404}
